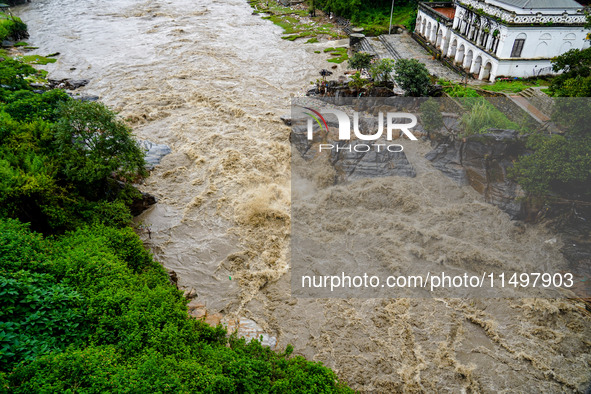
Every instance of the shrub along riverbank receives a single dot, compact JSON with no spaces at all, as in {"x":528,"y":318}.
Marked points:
{"x":85,"y":308}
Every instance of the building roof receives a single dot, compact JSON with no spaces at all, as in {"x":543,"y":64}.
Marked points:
{"x":542,"y":4}
{"x":449,"y":12}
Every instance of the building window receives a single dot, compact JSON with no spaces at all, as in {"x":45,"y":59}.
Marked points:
{"x":518,"y":47}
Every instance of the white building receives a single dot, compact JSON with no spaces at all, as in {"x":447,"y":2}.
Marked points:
{"x":509,"y":38}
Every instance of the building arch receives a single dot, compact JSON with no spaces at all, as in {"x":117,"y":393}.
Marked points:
{"x":433,"y":37}
{"x":570,"y":36}
{"x":424,"y":27}
{"x":453,"y":48}
{"x":566,"y":46}
{"x":476,"y":65}
{"x":460,"y":54}
{"x":546,"y":37}
{"x":445,"y":46}
{"x":428,"y":32}
{"x":542,"y":50}
{"x":439,"y":39}
{"x":468,"y":59}
{"x":418,"y":24}
{"x":486,"y":72}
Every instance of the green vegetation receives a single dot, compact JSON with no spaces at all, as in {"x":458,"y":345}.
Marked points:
{"x":357,"y":82}
{"x":483,"y":116}
{"x":560,"y":164}
{"x":361,"y":61}
{"x":457,"y":90}
{"x":91,"y":311}
{"x":12,"y":28}
{"x":431,"y":116}
{"x":340,"y":54}
{"x":413,"y":77}
{"x":575,"y":79}
{"x":513,"y":86}
{"x":289,"y":20}
{"x":85,"y":308}
{"x":380,"y":70}
{"x":36,"y":59}
{"x":373,"y":15}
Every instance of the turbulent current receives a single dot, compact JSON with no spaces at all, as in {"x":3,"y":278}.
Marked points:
{"x":210,"y":80}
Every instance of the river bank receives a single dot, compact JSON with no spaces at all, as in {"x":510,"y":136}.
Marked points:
{"x":210,"y":80}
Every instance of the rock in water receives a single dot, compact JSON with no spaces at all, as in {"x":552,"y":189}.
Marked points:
{"x":139,"y":205}
{"x":154,"y":153}
{"x":67,"y":83}
{"x":286,"y":119}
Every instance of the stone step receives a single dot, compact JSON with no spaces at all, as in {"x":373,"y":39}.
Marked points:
{"x":367,"y":47}
{"x":390,"y":48}
{"x":528,"y":93}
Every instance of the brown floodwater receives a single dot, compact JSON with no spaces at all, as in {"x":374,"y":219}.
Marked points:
{"x":210,"y":80}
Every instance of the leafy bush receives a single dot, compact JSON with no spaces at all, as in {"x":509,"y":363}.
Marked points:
{"x":380,"y":70}
{"x":560,"y":164}
{"x":92,"y":311}
{"x":373,"y":15}
{"x":575,"y":69}
{"x":413,"y":77}
{"x":93,"y":144}
{"x":483,"y":116}
{"x":431,"y":116}
{"x":12,"y":27}
{"x":59,"y":158}
{"x":360,"y":61}
{"x":13,"y":74}
{"x":38,"y":316}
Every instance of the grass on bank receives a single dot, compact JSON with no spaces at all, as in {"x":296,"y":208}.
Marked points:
{"x":292,"y":21}
{"x":514,"y":85}
{"x":36,"y":59}
{"x":339,"y":54}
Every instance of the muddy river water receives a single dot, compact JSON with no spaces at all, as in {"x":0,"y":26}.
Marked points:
{"x":210,"y":80}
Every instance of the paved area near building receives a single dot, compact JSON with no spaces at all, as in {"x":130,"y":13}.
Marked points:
{"x":404,"y":46}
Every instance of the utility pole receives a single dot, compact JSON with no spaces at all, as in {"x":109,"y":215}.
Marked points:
{"x":391,"y":13}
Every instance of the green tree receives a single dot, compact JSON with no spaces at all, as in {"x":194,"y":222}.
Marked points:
{"x":380,"y":70}
{"x":13,"y":74}
{"x":413,"y":77}
{"x":361,"y":61}
{"x":94,"y":144}
{"x":431,"y":117}
{"x":560,"y":163}
{"x":574,"y":67}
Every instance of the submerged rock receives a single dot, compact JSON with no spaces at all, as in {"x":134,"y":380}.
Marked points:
{"x":154,"y":153}
{"x":82,"y":97}
{"x":142,"y":203}
{"x":67,"y":83}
